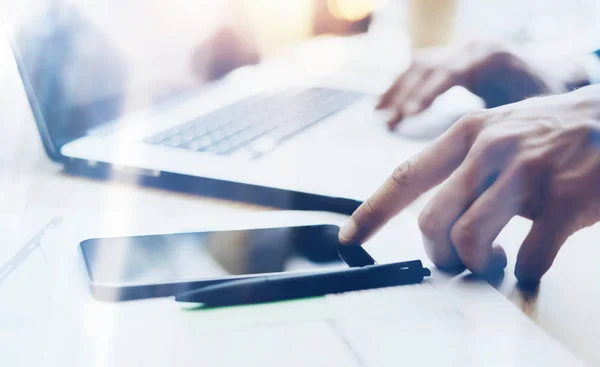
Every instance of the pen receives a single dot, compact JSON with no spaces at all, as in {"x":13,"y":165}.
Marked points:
{"x":285,"y":287}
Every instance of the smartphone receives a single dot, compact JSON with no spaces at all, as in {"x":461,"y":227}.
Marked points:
{"x":137,"y":267}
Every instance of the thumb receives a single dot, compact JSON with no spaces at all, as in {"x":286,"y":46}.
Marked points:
{"x":538,"y":251}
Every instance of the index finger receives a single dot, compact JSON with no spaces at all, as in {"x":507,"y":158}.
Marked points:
{"x":386,"y":98}
{"x":390,"y":94}
{"x":412,"y":178}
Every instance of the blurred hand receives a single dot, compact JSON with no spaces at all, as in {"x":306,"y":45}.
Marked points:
{"x":538,"y":158}
{"x":496,"y":73}
{"x":226,"y":50}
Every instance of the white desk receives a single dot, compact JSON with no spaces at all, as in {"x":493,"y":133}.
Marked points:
{"x":565,"y":305}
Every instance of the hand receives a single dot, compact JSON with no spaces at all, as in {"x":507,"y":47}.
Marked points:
{"x":538,"y":158}
{"x":226,"y":50}
{"x":498,"y":74}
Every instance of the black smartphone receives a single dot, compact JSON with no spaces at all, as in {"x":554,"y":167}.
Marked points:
{"x":128,"y":268}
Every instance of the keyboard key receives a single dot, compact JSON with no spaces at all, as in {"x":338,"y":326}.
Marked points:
{"x":200,"y":144}
{"x":187,"y":136}
{"x":256,"y":125}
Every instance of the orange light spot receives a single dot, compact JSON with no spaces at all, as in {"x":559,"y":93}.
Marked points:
{"x":351,"y":10}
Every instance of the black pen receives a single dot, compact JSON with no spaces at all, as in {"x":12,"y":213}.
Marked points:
{"x":285,"y":287}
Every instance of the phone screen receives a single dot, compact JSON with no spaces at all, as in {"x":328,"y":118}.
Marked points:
{"x":176,"y":258}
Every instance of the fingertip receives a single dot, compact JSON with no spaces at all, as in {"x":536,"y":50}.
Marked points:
{"x":526,"y":275}
{"x":494,"y":273}
{"x":539,"y":249}
{"x":530,"y":267}
{"x":526,"y":279}
{"x":393,"y":122}
{"x":348,"y":232}
{"x":496,"y":263}
{"x":453,"y":268}
{"x":499,"y":259}
{"x":443,"y":256}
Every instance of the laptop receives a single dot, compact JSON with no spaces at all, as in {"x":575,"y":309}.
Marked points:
{"x":199,"y":97}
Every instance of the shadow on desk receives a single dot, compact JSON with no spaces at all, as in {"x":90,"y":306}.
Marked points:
{"x":524,"y":296}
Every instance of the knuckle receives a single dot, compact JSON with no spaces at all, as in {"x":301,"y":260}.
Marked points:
{"x":489,"y":145}
{"x":464,"y":234}
{"x":431,"y":226}
{"x":493,"y":144}
{"x":466,"y":237}
{"x":415,"y":103}
{"x":364,"y":216}
{"x":477,"y":116}
{"x":473,"y":122}
{"x":365,"y":210}
{"x":403,"y":174}
{"x":489,"y":140}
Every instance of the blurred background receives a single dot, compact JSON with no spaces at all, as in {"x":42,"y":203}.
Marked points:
{"x":151,"y":50}
{"x":117,"y":56}
{"x":127,"y":55}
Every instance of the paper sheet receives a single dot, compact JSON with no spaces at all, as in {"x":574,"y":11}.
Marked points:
{"x":457,"y":322}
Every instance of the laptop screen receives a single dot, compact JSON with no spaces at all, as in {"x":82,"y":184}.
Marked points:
{"x":87,"y":62}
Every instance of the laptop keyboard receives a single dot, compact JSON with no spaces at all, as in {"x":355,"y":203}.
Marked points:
{"x":256,"y":125}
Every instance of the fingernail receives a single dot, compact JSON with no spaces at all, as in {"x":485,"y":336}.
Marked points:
{"x":347,"y":232}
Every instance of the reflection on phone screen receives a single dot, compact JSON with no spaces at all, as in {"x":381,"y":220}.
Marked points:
{"x":208,"y":255}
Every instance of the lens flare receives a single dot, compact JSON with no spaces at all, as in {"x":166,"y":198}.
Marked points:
{"x":352,"y":10}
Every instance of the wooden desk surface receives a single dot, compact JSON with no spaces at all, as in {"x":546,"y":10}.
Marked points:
{"x":565,"y":304}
